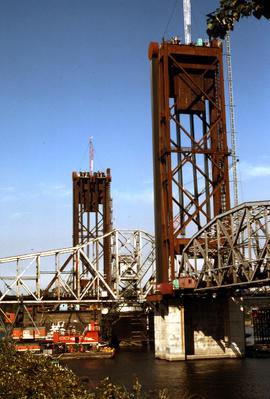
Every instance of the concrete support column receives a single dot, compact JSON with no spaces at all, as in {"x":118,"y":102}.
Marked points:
{"x":236,"y":327}
{"x":199,"y":328}
{"x":169,"y":331}
{"x":214,"y":328}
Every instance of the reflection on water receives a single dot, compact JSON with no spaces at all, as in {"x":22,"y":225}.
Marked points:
{"x":213,"y":379}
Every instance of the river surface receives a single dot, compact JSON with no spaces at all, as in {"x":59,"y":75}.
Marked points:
{"x":210,"y":379}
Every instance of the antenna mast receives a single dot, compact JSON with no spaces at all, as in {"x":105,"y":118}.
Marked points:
{"x":91,"y":156}
{"x":231,"y":106}
{"x":187,"y":20}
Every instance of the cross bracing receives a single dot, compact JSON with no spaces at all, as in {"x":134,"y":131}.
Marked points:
{"x":232,"y":250}
{"x":76,"y":274}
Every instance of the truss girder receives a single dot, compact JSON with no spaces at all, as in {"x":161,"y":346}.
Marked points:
{"x":76,"y":274}
{"x":233,"y":250}
{"x":190,"y":152}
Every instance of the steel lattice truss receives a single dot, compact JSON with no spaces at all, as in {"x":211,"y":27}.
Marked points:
{"x":190,"y":152}
{"x":233,"y":250}
{"x":133,"y":263}
{"x":76,"y":275}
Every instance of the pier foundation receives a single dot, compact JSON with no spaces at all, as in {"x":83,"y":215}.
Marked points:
{"x":199,"y":328}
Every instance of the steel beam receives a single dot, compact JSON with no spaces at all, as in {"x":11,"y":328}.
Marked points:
{"x":69,"y":275}
{"x":232,"y":251}
{"x":189,"y":145}
{"x":92,"y":216}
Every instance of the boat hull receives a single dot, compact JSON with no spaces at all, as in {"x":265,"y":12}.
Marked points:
{"x":84,"y":355}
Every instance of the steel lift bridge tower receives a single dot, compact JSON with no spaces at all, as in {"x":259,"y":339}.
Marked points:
{"x":92,"y":214}
{"x":106,"y":266}
{"x":124,"y":257}
{"x":213,"y":250}
{"x":190,"y":152}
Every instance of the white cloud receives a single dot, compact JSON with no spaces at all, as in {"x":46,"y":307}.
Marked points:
{"x":41,"y":191}
{"x":59,"y":190}
{"x":148,"y":182}
{"x":249,"y":171}
{"x":8,"y":198}
{"x":143,"y":196}
{"x":8,"y":194}
{"x":19,"y":215}
{"x":8,"y":189}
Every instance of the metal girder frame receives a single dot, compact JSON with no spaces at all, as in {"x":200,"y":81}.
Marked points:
{"x":68,"y":275}
{"x":133,"y":263}
{"x":59,"y":264}
{"x":92,"y":215}
{"x":233,"y":250}
{"x":189,"y":143}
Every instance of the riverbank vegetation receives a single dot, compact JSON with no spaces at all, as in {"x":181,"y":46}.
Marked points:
{"x":24,"y":375}
{"x":27,"y":376}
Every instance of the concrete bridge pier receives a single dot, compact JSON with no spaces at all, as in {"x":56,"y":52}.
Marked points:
{"x":199,"y":328}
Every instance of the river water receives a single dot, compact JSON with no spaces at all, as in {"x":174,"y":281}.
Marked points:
{"x":247,"y":378}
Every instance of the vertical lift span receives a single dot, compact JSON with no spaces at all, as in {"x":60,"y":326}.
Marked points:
{"x":190,"y":152}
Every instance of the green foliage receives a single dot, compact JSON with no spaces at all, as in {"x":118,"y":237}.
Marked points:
{"x":108,"y":390}
{"x":223,"y":18}
{"x":26,"y":376}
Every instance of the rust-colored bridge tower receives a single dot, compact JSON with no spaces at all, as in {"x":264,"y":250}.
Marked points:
{"x":190,"y":153}
{"x":92,"y":216}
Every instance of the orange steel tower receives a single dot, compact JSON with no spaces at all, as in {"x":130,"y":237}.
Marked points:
{"x":92,"y":216}
{"x":190,"y":153}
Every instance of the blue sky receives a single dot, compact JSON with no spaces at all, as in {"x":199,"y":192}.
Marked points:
{"x":74,"y":69}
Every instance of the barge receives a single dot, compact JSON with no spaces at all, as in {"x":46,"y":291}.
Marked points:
{"x":62,"y":343}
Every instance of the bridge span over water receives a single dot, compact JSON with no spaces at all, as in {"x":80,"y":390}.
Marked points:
{"x":230,"y":252}
{"x":76,"y":275}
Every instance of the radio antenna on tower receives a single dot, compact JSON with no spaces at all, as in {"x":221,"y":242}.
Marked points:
{"x":91,"y":156}
{"x":231,"y":106}
{"x":187,"y":20}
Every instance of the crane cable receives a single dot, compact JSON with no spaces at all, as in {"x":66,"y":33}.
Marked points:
{"x":170,"y":18}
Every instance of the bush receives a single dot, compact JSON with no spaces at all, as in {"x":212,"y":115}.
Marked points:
{"x":108,"y":390}
{"x":24,"y":375}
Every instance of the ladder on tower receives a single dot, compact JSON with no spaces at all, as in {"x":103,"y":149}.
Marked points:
{"x":231,"y":107}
